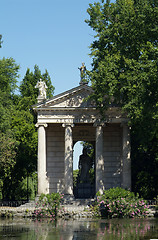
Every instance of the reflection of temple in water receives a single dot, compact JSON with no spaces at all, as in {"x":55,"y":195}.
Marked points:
{"x":79,"y":229}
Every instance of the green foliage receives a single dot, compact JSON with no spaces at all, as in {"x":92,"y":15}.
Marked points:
{"x":125,"y":56}
{"x":8,"y":143}
{"x":26,"y":135}
{"x":27,"y":86}
{"x":117,"y":193}
{"x":48,"y":206}
{"x":26,"y":187}
{"x":6,"y":110}
{"x":120,"y":203}
{"x":90,"y":148}
{"x":123,"y":208}
{"x":92,"y":175}
{"x":156,"y":204}
{"x":8,"y":75}
{"x":18,"y":135}
{"x":75,"y":175}
{"x":124,"y":74}
{"x":1,"y":188}
{"x":7,"y":155}
{"x":8,"y":79}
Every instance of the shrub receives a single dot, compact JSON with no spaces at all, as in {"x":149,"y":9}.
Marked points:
{"x":115,"y":193}
{"x":48,"y":205}
{"x":118,"y":202}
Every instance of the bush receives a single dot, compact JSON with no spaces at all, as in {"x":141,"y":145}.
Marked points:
{"x":120,"y":203}
{"x":48,"y":205}
{"x":115,"y":193}
{"x":27,"y":186}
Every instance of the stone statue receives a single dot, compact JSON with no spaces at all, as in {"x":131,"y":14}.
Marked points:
{"x":41,"y":85}
{"x":84,"y":166}
{"x":82,"y":73}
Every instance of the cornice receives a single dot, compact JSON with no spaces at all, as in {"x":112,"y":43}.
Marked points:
{"x":58,"y":109}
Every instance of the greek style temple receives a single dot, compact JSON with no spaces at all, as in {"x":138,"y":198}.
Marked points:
{"x":64,"y":120}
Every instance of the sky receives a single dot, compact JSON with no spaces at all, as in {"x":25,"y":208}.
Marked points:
{"x":49,"y":33}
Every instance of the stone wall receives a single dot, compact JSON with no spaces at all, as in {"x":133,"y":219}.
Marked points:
{"x":55,"y":156}
{"x":112,"y":155}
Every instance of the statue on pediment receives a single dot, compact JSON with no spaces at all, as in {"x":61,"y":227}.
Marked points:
{"x":83,"y":74}
{"x":41,"y":85}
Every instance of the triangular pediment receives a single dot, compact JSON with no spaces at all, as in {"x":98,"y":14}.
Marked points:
{"x":73,"y":98}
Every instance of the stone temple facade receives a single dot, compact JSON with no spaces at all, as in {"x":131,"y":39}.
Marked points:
{"x":69,"y":117}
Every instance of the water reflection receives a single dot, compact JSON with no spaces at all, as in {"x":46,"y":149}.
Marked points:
{"x":129,"y":229}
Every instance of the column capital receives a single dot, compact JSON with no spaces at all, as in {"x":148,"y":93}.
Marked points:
{"x":41,"y":124}
{"x":68,"y":125}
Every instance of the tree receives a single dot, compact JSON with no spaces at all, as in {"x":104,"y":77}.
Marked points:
{"x":25,"y":132}
{"x":8,"y":75}
{"x":25,"y":119}
{"x":125,"y":73}
{"x":27,"y":86}
{"x":8,"y":144}
{"x":18,"y":135}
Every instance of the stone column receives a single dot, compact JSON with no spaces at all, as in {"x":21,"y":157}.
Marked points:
{"x":68,"y":178}
{"x":43,"y":185}
{"x":99,"y":159}
{"x":126,"y":161}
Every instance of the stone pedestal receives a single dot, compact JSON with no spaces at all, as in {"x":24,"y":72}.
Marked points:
{"x":43,"y":185}
{"x":84,"y":190}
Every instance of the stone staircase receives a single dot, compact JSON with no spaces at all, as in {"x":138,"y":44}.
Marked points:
{"x":76,"y":205}
{"x":29,"y":205}
{"x":69,"y":204}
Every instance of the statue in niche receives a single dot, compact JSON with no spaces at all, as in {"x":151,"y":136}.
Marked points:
{"x":85,"y":164}
{"x":41,"y":85}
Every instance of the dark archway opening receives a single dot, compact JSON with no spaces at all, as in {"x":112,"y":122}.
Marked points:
{"x":84,"y":176}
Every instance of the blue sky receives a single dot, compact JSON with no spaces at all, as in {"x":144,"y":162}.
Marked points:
{"x":50,"y":33}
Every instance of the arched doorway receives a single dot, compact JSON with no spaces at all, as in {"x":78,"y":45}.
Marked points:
{"x":84,"y":169}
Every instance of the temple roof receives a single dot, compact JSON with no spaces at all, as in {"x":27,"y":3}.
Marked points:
{"x":73,"y":98}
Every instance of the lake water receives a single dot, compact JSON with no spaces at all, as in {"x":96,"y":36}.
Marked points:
{"x":82,"y":229}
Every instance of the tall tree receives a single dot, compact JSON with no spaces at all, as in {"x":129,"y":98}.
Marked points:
{"x":8,"y":144}
{"x":125,"y":73}
{"x":8,"y":79}
{"x":27,"y":86}
{"x":8,"y":75}
{"x":23,"y":127}
{"x":18,"y":135}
